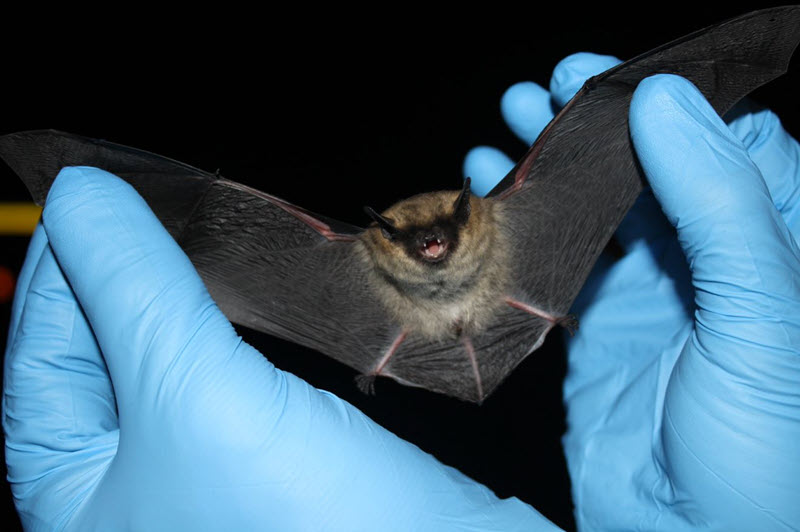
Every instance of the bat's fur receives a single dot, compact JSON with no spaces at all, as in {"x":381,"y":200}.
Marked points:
{"x":460,"y":294}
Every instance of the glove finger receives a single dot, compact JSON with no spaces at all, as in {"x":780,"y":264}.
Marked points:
{"x":776,"y":154}
{"x":486,"y":166}
{"x":571,"y":72}
{"x":527,"y":108}
{"x":35,"y":249}
{"x":142,"y":296}
{"x":59,"y":412}
{"x":743,"y":259}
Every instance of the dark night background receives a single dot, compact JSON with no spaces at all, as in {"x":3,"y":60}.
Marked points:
{"x":333,"y":118}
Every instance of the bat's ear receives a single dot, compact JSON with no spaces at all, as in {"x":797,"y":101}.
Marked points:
{"x":461,"y":208}
{"x":387,"y":228}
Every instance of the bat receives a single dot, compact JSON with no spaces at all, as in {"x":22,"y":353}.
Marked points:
{"x":445,"y":290}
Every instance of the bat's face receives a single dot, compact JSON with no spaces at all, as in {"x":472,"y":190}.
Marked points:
{"x":435,"y":251}
{"x":427,"y":227}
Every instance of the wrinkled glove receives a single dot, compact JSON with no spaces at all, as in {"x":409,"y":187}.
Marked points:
{"x":131,"y":404}
{"x":682,"y":388}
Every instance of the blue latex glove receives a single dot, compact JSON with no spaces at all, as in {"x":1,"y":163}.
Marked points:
{"x":131,"y":404}
{"x":682,"y":388}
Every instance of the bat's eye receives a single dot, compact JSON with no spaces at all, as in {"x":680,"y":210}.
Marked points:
{"x":433,"y":249}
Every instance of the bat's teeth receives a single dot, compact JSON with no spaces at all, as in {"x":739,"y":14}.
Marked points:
{"x":434,"y":248}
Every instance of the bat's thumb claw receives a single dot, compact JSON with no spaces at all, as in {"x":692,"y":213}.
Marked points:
{"x":366,"y":383}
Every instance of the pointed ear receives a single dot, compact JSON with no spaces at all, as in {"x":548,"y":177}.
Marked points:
{"x":461,"y":207}
{"x":387,"y":228}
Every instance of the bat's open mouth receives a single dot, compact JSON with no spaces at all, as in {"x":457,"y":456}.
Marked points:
{"x":434,"y":249}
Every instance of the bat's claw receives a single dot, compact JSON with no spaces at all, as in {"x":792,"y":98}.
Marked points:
{"x":366,"y":383}
{"x":569,"y":322}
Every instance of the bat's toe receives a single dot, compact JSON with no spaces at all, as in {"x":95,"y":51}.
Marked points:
{"x":366,"y":383}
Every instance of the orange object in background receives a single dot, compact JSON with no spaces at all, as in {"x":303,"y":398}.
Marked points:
{"x":18,"y":218}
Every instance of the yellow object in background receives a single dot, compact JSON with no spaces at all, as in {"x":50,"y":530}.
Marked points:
{"x":18,"y":218}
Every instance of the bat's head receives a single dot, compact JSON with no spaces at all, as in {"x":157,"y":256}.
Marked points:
{"x":426,"y":228}
{"x":440,"y":261}
{"x":433,"y":241}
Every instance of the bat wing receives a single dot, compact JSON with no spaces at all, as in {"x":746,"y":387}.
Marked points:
{"x":269,"y":265}
{"x":571,"y":190}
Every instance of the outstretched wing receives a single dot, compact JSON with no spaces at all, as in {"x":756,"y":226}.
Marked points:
{"x":269,"y":265}
{"x":572,"y":189}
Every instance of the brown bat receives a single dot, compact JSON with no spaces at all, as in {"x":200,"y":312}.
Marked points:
{"x":444,"y":290}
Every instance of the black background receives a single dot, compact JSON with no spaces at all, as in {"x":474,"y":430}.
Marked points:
{"x":334,"y":115}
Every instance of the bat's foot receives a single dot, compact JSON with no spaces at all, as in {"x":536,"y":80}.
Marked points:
{"x":366,"y":383}
{"x":569,"y":322}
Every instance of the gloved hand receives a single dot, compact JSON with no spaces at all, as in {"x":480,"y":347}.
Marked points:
{"x":131,"y":404}
{"x":682,"y":387}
